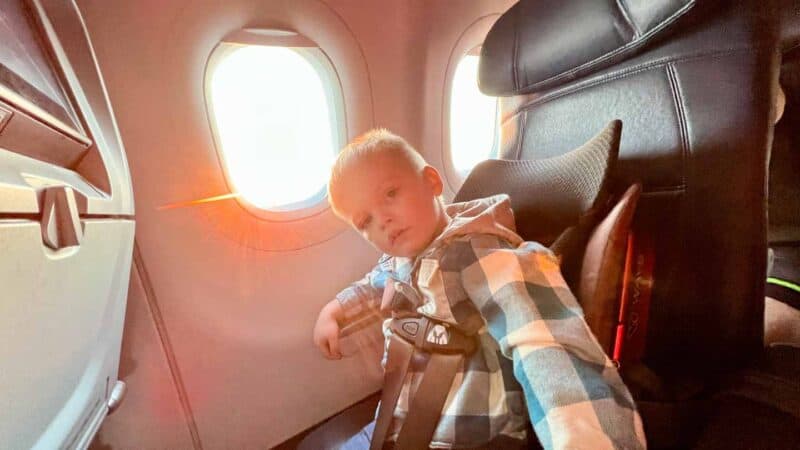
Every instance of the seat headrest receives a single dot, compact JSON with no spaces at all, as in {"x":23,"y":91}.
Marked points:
{"x":550,"y":195}
{"x":538,"y":44}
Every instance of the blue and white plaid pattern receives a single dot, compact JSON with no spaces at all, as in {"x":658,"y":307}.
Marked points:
{"x":531,"y":326}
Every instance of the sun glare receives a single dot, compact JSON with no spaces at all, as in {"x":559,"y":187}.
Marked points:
{"x":273,"y":119}
{"x":473,"y":118}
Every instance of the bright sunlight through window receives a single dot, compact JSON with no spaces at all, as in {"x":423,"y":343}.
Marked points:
{"x":474,"y":134}
{"x":275,"y":124}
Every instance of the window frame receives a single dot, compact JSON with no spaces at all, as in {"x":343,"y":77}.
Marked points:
{"x":471,"y":38}
{"x":474,"y":51}
{"x":334,"y":93}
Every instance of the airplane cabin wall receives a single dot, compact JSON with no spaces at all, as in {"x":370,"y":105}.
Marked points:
{"x":217,"y":350}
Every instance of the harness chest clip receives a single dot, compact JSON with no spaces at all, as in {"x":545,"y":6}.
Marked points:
{"x":433,"y":336}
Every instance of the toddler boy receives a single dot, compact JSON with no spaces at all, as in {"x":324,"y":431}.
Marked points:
{"x":464,"y":266}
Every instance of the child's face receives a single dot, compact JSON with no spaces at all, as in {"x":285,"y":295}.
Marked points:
{"x":394,"y":206}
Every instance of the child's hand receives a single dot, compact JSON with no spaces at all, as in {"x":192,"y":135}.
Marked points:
{"x":326,"y":330}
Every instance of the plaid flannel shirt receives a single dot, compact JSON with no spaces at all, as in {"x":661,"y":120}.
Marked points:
{"x":536,"y":348}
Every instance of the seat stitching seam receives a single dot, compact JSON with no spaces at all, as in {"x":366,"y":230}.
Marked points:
{"x":624,"y":11}
{"x":652,"y":65}
{"x":680,"y":109}
{"x":521,"y":131}
{"x":643,"y":39}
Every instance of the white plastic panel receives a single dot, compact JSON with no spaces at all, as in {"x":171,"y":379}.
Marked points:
{"x":61,"y":316}
{"x":106,"y":164}
{"x":31,"y":76}
{"x":22,"y":180}
{"x":61,"y":311}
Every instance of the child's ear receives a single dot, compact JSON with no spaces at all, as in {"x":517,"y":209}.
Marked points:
{"x":433,"y":179}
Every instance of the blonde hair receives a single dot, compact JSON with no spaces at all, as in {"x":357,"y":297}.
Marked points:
{"x":378,"y":141}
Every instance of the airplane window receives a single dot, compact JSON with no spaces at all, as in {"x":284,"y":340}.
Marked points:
{"x":275,"y":111}
{"x":474,"y":117}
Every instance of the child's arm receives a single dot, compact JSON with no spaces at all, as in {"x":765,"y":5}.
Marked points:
{"x":353,"y":301}
{"x":574,"y":394}
{"x":363,"y":295}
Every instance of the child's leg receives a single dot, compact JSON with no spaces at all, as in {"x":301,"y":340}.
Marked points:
{"x":360,"y":440}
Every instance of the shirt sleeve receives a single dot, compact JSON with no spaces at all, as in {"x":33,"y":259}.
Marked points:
{"x":574,"y":394}
{"x":364,"y":294}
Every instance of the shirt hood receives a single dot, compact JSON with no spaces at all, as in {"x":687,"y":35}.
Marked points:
{"x":489,"y":215}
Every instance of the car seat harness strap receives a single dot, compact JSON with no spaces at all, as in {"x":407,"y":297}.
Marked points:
{"x":445,"y":348}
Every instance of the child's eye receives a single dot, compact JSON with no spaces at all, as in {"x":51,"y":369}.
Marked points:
{"x":391,"y":193}
{"x":364,"y":223}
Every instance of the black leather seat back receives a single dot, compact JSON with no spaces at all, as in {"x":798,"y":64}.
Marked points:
{"x":695,"y":102}
{"x":784,"y":183}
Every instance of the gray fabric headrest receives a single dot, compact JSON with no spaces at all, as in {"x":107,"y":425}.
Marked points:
{"x":538,"y":44}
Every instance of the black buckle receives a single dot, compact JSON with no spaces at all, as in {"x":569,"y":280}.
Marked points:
{"x":433,"y":336}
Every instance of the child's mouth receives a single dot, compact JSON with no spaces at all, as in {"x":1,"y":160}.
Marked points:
{"x":396,"y":235}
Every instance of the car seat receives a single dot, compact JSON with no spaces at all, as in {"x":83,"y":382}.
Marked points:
{"x":693,"y":84}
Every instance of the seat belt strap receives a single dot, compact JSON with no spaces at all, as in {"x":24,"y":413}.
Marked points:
{"x":425,"y":410}
{"x":397,"y":362}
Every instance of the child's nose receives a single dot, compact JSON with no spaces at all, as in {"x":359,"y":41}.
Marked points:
{"x":384,"y":220}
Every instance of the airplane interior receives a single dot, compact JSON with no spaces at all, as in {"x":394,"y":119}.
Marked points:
{"x":167,"y":240}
